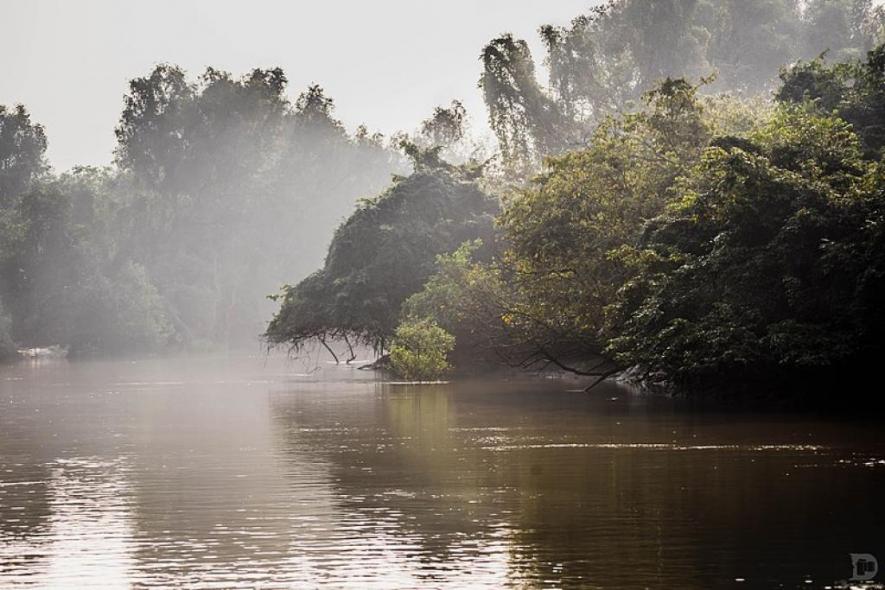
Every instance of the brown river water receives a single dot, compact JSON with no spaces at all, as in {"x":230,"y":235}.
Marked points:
{"x":256,"y":472}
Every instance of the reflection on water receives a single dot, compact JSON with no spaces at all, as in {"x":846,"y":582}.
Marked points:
{"x":82,"y":494}
{"x":253,"y":472}
{"x":86,"y":495}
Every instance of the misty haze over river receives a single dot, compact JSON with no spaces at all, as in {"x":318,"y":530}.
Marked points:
{"x":399,"y":295}
{"x":263,"y":472}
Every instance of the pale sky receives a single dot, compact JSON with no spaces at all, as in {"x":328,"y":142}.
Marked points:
{"x":385,"y":62}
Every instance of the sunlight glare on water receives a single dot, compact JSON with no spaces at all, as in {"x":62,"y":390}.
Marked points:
{"x":248,"y":472}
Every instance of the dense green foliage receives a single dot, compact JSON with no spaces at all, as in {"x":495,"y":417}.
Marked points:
{"x":544,"y":298}
{"x":61,"y":281}
{"x":653,"y":208}
{"x":381,"y":255}
{"x":605,"y":60}
{"x":769,"y":261}
{"x":693,"y":242}
{"x":585,"y":204}
{"x":22,"y":146}
{"x":855,"y":90}
{"x":419,"y":351}
{"x":468,"y":298}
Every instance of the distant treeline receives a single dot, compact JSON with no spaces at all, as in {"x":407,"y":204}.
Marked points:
{"x":664,"y":201}
{"x":222,"y":190}
{"x":702,"y":238}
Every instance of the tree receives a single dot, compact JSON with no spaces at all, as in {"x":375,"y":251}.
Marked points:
{"x":225,"y":180}
{"x":765,"y":266}
{"x":844,"y":29}
{"x":446,"y":126}
{"x":854,"y":89}
{"x":419,"y":351}
{"x":7,"y":346}
{"x":565,"y":229}
{"x":525,"y":119}
{"x":153,"y":129}
{"x":65,"y":280}
{"x":591,"y":67}
{"x":22,"y":153}
{"x":448,"y":131}
{"x":749,"y":41}
{"x":467,"y":297}
{"x":606,"y":59}
{"x":382,"y":254}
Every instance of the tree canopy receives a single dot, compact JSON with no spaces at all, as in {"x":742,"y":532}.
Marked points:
{"x":697,"y":239}
{"x":605,"y":60}
{"x":649,"y":206}
{"x":854,"y":89}
{"x":766,"y":264}
{"x":222,"y":190}
{"x":548,"y":289}
{"x":381,"y":255}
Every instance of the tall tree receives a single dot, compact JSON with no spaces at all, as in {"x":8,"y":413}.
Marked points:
{"x":565,"y":229}
{"x":525,"y":119}
{"x":228,"y":180}
{"x":604,"y":60}
{"x":22,"y":153}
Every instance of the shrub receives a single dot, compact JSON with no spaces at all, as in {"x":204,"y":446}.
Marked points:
{"x":420,"y":350}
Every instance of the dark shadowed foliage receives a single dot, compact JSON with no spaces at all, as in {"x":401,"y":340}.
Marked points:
{"x":699,"y":240}
{"x":382,"y":254}
{"x":854,"y":89}
{"x":768,"y":265}
{"x":542,"y":302}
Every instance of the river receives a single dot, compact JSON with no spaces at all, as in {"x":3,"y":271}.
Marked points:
{"x":255,"y":471}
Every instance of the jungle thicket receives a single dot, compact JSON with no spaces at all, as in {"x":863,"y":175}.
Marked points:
{"x":695,"y":191}
{"x":702,"y":241}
